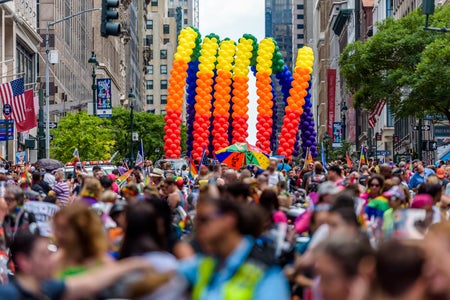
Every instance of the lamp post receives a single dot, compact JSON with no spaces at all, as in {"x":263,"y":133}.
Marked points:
{"x":93,"y":60}
{"x":131,"y":98}
{"x":326,"y":139}
{"x":377,"y":138}
{"x":344,"y":109}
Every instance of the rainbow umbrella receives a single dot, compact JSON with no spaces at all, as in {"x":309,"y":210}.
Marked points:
{"x":239,"y":154}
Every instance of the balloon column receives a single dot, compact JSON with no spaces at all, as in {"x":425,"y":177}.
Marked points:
{"x":215,"y":75}
{"x":296,"y":100}
{"x":264,"y":92}
{"x":244,"y":53}
{"x":177,"y":82}
{"x":204,"y":94}
{"x":222,"y":94}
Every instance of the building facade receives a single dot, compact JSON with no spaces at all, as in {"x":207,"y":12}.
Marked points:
{"x":19,"y":55}
{"x":163,"y":22}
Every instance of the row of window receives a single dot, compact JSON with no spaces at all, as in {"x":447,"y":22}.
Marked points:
{"x":162,"y":69}
{"x":150,"y":101}
{"x":162,"y":85}
{"x":300,"y":6}
{"x":149,"y":40}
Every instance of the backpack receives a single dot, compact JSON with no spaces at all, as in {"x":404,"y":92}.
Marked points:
{"x":315,"y":181}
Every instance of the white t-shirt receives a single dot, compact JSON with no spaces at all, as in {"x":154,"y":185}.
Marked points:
{"x":274,"y":178}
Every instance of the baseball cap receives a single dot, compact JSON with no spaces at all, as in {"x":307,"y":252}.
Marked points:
{"x":396,"y":192}
{"x":440,"y":172}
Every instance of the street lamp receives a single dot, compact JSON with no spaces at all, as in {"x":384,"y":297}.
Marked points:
{"x":131,"y":98}
{"x":326,"y":139}
{"x":344,"y":109}
{"x":93,"y":60}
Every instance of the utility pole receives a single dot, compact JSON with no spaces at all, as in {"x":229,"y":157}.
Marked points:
{"x":41,"y":132}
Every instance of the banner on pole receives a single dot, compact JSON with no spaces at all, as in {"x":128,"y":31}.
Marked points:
{"x":104,"y":101}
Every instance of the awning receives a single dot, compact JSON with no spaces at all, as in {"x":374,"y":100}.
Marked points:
{"x":342,"y":17}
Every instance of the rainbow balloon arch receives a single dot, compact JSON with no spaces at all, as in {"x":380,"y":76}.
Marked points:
{"x":215,"y":76}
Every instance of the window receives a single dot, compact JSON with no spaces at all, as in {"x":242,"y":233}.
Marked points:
{"x":299,"y":46}
{"x":149,"y":40}
{"x":166,"y":28}
{"x":164,"y":84}
{"x":163,"y":111}
{"x":149,"y":84}
{"x":163,"y":54}
{"x":185,"y":21}
{"x":166,"y":41}
{"x":300,"y":26}
{"x":163,"y":99}
{"x":300,"y":36}
{"x":163,"y":69}
{"x":149,"y":24}
{"x":300,"y":17}
{"x":149,"y":99}
{"x":154,"y":2}
{"x":149,"y":70}
{"x":300,"y":6}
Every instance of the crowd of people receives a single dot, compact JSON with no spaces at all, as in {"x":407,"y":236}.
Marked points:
{"x":296,"y":230}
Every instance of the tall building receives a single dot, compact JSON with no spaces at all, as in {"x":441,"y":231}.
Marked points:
{"x":19,"y":56}
{"x":299,"y":27}
{"x":163,"y":22}
{"x":279,"y":26}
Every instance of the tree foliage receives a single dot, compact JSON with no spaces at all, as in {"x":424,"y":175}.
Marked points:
{"x":98,"y":139}
{"x":91,"y":135}
{"x":404,"y":64}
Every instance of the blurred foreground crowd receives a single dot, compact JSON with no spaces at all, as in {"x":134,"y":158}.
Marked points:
{"x":293,"y":231}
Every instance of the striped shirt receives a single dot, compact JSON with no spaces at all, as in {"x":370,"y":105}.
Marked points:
{"x":62,"y":192}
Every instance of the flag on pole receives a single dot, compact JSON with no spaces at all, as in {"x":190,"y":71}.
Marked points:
{"x":30,"y":121}
{"x":112,"y":157}
{"x":192,"y":168}
{"x":324,"y":159}
{"x":76,"y":156}
{"x":122,"y":180}
{"x":383,"y":159}
{"x":13,"y":94}
{"x":204,"y":161}
{"x":140,"y":156}
{"x":376,"y":113}
{"x":362,"y":157}
{"x":349,"y":160}
{"x":308,"y":158}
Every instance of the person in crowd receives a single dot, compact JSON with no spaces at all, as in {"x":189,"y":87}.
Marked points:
{"x":425,"y":202}
{"x":318,"y":177}
{"x":81,"y":241}
{"x":175,"y":196}
{"x":16,"y":218}
{"x":335,"y":174}
{"x":48,"y":178}
{"x":136,"y":178}
{"x":434,"y":189}
{"x":420,"y":175}
{"x":38,"y":185}
{"x":344,"y":267}
{"x":364,"y":177}
{"x":306,"y":172}
{"x":156,"y":177}
{"x":274,"y":175}
{"x":400,"y":271}
{"x":146,"y":236}
{"x":231,"y":267}
{"x":61,"y":189}
{"x":91,"y":191}
{"x":33,"y":259}
{"x":130,"y":193}
{"x":148,"y":167}
{"x":396,"y":198}
{"x":97,"y":172}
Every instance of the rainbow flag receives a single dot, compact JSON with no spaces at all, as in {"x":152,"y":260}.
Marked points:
{"x":362,"y":157}
{"x":308,"y":158}
{"x":349,"y":160}
{"x":192,"y":168}
{"x":122,"y":180}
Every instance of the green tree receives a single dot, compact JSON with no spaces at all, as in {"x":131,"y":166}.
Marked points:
{"x":150,"y":128}
{"x":402,"y":63}
{"x":91,"y":135}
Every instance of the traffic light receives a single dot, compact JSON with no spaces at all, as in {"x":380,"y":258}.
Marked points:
{"x":109,"y":13}
{"x":428,"y":7}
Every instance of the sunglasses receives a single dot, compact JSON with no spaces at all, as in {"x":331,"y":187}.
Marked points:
{"x":201,"y":220}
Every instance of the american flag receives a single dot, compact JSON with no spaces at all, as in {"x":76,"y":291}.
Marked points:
{"x":204,"y":160}
{"x":13,"y":93}
{"x":376,"y":113}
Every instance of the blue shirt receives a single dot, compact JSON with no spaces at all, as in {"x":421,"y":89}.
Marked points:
{"x":53,"y":290}
{"x":418,"y":179}
{"x":273,"y":285}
